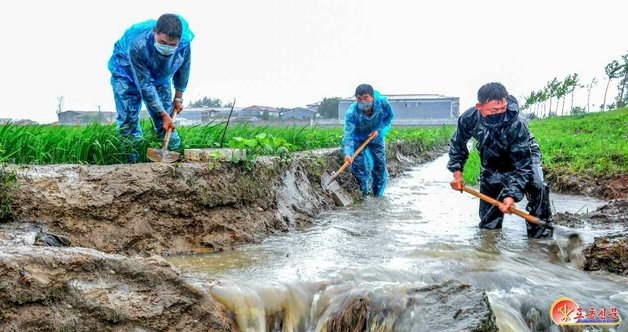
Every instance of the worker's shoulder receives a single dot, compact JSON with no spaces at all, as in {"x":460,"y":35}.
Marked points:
{"x":468,"y":117}
{"x":137,"y":39}
{"x":383,"y":102}
{"x":141,"y":28}
{"x":470,"y":112}
{"x":351,"y":110}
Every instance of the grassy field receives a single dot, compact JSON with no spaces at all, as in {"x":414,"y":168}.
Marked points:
{"x":594,"y":144}
{"x":99,"y":144}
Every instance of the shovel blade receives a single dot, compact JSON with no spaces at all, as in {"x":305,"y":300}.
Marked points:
{"x":328,"y":181}
{"x":159,"y":155}
{"x":170,"y":157}
{"x":153,"y":154}
{"x":329,"y":184}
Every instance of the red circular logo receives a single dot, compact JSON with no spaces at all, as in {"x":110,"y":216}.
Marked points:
{"x":563,"y":311}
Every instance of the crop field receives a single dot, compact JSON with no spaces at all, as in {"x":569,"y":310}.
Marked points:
{"x":100,"y":144}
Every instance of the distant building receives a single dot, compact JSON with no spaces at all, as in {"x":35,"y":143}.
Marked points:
{"x":191,"y":116}
{"x":299,"y":113}
{"x":415,"y":109}
{"x":223,"y":112}
{"x":258,"y":112}
{"x":314,"y":106}
{"x":86,"y":117}
{"x":205,"y":115}
{"x":24,"y":122}
{"x":21,"y":122}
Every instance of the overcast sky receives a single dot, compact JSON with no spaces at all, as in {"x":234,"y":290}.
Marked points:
{"x":291,"y":53}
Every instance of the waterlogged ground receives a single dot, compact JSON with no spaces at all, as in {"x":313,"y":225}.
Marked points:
{"x":421,"y":233}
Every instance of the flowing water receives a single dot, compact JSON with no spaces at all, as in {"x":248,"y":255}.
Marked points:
{"x":420,"y":233}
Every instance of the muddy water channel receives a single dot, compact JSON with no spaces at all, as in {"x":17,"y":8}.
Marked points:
{"x":421,"y":233}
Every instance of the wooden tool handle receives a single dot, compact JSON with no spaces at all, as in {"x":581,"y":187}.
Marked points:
{"x":169,"y":132}
{"x":343,"y":168}
{"x":368,"y":140}
{"x":514,"y":210}
{"x":356,"y":153}
{"x":346,"y":164}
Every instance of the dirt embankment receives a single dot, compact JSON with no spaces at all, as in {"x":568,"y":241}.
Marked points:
{"x":79,"y":289}
{"x":188,"y":207}
{"x":147,"y":209}
{"x":605,"y":187}
{"x":608,"y":252}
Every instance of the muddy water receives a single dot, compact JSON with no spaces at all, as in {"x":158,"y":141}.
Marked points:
{"x":421,"y":233}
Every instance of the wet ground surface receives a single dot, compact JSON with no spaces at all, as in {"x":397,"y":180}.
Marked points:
{"x":421,"y":233}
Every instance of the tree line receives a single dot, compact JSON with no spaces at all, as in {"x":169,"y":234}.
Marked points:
{"x":546,"y":101}
{"x":551,"y":100}
{"x":208,"y":102}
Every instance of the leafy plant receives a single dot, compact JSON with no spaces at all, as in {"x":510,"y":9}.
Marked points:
{"x":261,"y":144}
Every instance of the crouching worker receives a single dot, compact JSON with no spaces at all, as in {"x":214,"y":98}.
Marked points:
{"x":510,"y":158}
{"x":370,"y":115}
{"x":146,"y":61}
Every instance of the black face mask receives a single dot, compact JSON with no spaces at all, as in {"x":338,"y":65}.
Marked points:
{"x":495,"y":120}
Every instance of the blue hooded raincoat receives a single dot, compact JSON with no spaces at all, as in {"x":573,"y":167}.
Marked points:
{"x":140,"y":73}
{"x":369,"y":167}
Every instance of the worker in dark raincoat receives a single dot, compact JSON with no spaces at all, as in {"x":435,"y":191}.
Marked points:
{"x":510,"y":158}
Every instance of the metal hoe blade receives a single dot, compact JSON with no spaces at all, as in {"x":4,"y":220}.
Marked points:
{"x":328,"y":181}
{"x":159,"y":155}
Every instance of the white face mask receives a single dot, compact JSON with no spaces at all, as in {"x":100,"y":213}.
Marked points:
{"x":165,"y":49}
{"x":365,"y":105}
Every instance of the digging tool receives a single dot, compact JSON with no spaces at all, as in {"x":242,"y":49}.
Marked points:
{"x":568,"y":240}
{"x":516,"y":211}
{"x":328,"y":177}
{"x":572,"y":236}
{"x":163,"y":155}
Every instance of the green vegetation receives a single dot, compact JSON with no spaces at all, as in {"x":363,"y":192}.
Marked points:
{"x":8,"y":181}
{"x":594,"y":144}
{"x":46,"y":144}
{"x":99,"y":144}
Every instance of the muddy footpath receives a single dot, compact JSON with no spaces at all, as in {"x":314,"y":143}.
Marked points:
{"x":85,"y":245}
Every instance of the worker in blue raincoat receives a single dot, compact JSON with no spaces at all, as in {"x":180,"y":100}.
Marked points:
{"x":149,"y":56}
{"x":370,"y":115}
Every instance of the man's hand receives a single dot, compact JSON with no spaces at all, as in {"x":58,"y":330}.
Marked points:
{"x":177,"y":105}
{"x":348,"y":159}
{"x":168,"y":123}
{"x":374,"y":134}
{"x":506,"y":205}
{"x":457,"y":183}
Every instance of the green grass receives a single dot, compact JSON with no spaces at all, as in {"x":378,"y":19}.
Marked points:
{"x":593,"y":144}
{"x":100,"y":144}
{"x":8,"y":180}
